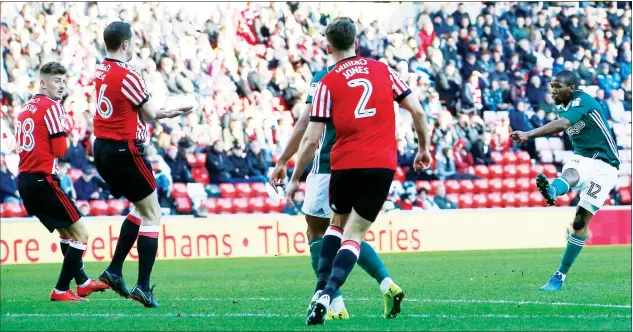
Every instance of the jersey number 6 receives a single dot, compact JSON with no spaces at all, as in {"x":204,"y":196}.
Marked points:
{"x":361,"y":111}
{"x":103,"y":100}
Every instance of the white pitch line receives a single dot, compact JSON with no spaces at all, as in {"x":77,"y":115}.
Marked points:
{"x":248,"y":314}
{"x":462,"y":301}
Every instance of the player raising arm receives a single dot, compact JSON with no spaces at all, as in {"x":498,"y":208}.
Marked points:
{"x":593,"y":170}
{"x":41,"y":140}
{"x":123,"y":107}
{"x":357,"y":96}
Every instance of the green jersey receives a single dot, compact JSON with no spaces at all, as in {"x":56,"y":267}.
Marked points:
{"x":590,"y":133}
{"x":321,"y":163}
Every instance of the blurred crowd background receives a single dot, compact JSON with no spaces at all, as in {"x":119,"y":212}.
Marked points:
{"x":479,"y":69}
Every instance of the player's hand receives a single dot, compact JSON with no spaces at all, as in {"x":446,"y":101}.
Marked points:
{"x":422,"y":160}
{"x":182,"y":110}
{"x":291,"y":188}
{"x":519,"y":136}
{"x":278,"y":176}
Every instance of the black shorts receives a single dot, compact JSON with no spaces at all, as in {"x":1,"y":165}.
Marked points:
{"x":43,"y":198}
{"x":363,"y":189}
{"x":123,"y":166}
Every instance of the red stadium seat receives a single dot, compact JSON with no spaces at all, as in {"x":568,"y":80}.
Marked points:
{"x":434,"y":185}
{"x":258,"y":189}
{"x":496,"y":171}
{"x":98,"y":208}
{"x":523,"y":171}
{"x":563,"y":200}
{"x":224,"y":205}
{"x":256,"y":205}
{"x":74,"y":174}
{"x":452,"y":186}
{"x":480,"y":201}
{"x":201,"y":159}
{"x":183,"y":205}
{"x":625,"y":196}
{"x":495,"y":185}
{"x":509,"y":158}
{"x":482,"y":171}
{"x":419,"y":185}
{"x":273,"y":205}
{"x":497,"y":157}
{"x":200,"y":175}
{"x":522,"y":199}
{"x":211,"y":204}
{"x":465,"y":201}
{"x":509,"y":200}
{"x":524,"y":184}
{"x":14,"y":210}
{"x":509,"y":185}
{"x":550,"y":171}
{"x":453,"y":197}
{"x":116,"y":207}
{"x":243,"y":190}
{"x":536,"y":199}
{"x":191,"y":160}
{"x":400,"y":175}
{"x":466,"y":186}
{"x":303,"y":186}
{"x":291,"y":162}
{"x":3,"y":211}
{"x":523,"y":158}
{"x":494,"y":200}
{"x":607,"y":201}
{"x":510,"y":171}
{"x":536,"y":169}
{"x":180,"y":190}
{"x":481,"y":186}
{"x":240,"y":205}
{"x":227,"y":190}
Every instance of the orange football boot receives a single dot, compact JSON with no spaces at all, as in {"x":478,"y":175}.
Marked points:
{"x":67,"y":296}
{"x":91,"y":287}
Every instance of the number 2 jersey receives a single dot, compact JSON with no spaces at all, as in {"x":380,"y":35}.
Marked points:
{"x":120,"y":91}
{"x":42,"y":119}
{"x":358,"y":96}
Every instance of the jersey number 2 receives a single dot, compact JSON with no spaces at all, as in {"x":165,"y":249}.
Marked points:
{"x":24,"y":137}
{"x":361,"y":111}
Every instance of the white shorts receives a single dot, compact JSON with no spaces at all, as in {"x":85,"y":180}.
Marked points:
{"x":597,"y":178}
{"x":317,"y":199}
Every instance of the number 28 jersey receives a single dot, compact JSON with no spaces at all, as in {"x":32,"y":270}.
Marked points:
{"x":358,"y":96}
{"x":121,"y":91}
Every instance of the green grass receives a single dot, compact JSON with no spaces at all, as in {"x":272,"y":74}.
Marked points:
{"x":477,"y":290}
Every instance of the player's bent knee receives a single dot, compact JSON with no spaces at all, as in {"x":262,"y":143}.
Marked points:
{"x":582,"y":218}
{"x":79,"y":232}
{"x":572,"y":177}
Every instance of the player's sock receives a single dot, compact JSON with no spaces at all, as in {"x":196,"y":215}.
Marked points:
{"x":343,"y":264}
{"x":127,"y":237}
{"x":574,"y":245}
{"x":147,"y":247}
{"x":371,"y":263}
{"x":81,"y":277}
{"x":71,"y":265}
{"x":315,"y":253}
{"x":561,"y":186}
{"x":329,"y":246}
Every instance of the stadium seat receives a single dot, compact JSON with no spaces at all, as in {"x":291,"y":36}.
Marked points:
{"x":523,"y":158}
{"x":495,"y":185}
{"x":273,"y":205}
{"x":556,"y":144}
{"x":550,"y":171}
{"x":465,"y":201}
{"x":497,"y":157}
{"x":201,"y":159}
{"x":434,"y":185}
{"x":256,"y":205}
{"x":480,"y":201}
{"x":3,"y":211}
{"x":98,"y":208}
{"x":496,"y":171}
{"x":453,"y":197}
{"x":509,"y":185}
{"x":303,"y":186}
{"x":400,"y":175}
{"x":546,"y":156}
{"x":14,"y":210}
{"x":419,"y":185}
{"x":258,"y":189}
{"x":625,"y":195}
{"x":607,"y":201}
{"x":191,"y":160}
{"x":211,"y":204}
{"x":213,"y":191}
{"x":224,"y":205}
{"x":452,"y":186}
{"x":509,"y":158}
{"x":74,"y":174}
{"x":116,"y":207}
{"x":523,"y":170}
{"x":563,"y":200}
{"x":522,"y":199}
{"x":535,"y":170}
{"x":243,"y":190}
{"x":510,"y":171}
{"x":466,"y":186}
{"x":482,"y":171}
{"x":240,"y":205}
{"x":200,"y":175}
{"x":179,"y":190}
{"x":183,"y":205}
{"x":227,"y":190}
{"x":541,"y":143}
{"x":481,"y":186}
{"x":508,"y":200}
{"x":524,"y":184}
{"x":494,"y":200}
{"x":536,"y":199}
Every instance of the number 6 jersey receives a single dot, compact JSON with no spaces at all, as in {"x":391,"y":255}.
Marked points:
{"x":358,"y":96}
{"x":42,"y":119}
{"x":120,"y":92}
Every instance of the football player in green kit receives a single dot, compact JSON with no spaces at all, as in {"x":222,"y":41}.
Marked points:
{"x":593,"y":170}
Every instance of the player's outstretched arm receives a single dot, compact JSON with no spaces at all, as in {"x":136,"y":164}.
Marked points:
{"x":551,"y":128}
{"x":150,"y":111}
{"x":420,"y":123}
{"x":308,"y":146}
{"x":278,"y":176}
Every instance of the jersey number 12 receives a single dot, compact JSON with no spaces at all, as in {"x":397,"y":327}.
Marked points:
{"x":361,"y":111}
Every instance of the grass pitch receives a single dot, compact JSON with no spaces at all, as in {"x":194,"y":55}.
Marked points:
{"x":476,"y":290}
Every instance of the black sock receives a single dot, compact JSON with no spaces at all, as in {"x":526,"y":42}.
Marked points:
{"x":147,"y":248}
{"x":330,"y":245}
{"x":71,"y":265}
{"x":127,"y":237}
{"x":80,"y":276}
{"x":343,"y":264}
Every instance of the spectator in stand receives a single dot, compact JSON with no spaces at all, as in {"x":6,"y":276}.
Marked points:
{"x":445,"y":164}
{"x":607,"y":80}
{"x":519,"y":119}
{"x":444,"y":131}
{"x":538,"y":119}
{"x":175,"y":158}
{"x":87,"y":186}
{"x":547,"y":104}
{"x":163,"y":187}
{"x":218,"y":164}
{"x":424,"y":202}
{"x":472,"y":94}
{"x":76,"y":153}
{"x":259,"y":161}
{"x":66,"y":183}
{"x":240,"y":170}
{"x":616,"y":106}
{"x":442,"y":201}
{"x":405,"y":154}
{"x":535,"y":91}
{"x":482,"y":151}
{"x":463,"y":159}
{"x":8,"y":185}
{"x":600,"y":98}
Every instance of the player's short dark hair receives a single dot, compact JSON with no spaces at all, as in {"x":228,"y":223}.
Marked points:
{"x":341,"y":33}
{"x":115,"y":33}
{"x":53,"y":68}
{"x":568,"y":77}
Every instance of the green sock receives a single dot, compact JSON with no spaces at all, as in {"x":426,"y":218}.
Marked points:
{"x":371,"y":263}
{"x":561,"y":186}
{"x":574,"y":245}
{"x":315,"y":252}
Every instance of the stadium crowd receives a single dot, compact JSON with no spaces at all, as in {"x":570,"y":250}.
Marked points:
{"x":248,"y":68}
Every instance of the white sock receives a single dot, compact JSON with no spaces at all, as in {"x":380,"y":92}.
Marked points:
{"x":384,"y":285}
{"x":59,"y":292}
{"x":85,"y":283}
{"x":337,"y":305}
{"x":324,"y":300}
